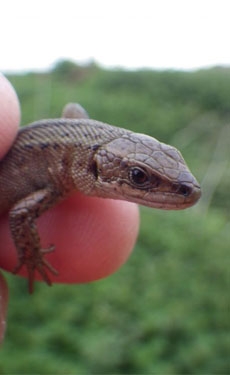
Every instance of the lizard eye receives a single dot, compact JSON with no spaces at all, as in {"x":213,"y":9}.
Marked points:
{"x":138,"y":176}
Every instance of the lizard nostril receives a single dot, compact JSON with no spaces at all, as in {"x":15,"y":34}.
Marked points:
{"x":185,"y":190}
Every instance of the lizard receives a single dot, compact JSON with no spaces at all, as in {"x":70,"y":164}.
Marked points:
{"x":51,"y":158}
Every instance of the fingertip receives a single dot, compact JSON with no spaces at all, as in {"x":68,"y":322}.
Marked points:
{"x":95,"y":240}
{"x":9,"y":114}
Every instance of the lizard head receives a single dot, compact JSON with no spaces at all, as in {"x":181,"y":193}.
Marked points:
{"x":140,"y":169}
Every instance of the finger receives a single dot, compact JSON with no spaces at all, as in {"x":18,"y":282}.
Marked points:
{"x":9,"y":120}
{"x":93,"y":237}
{"x":9,"y":115}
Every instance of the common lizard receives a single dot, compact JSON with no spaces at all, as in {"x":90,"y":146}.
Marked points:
{"x":51,"y":158}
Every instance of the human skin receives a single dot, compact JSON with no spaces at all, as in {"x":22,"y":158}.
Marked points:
{"x":93,"y":237}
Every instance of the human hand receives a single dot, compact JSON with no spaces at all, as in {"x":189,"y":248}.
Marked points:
{"x":9,"y":120}
{"x":93,"y":237}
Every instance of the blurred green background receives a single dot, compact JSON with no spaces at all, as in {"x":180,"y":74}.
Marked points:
{"x":167,"y":311}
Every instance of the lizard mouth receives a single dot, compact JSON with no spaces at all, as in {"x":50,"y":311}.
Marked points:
{"x":186,"y":196}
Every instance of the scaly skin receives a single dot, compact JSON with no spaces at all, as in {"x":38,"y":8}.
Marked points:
{"x":51,"y":158}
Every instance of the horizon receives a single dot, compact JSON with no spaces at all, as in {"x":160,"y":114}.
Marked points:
{"x":98,"y":65}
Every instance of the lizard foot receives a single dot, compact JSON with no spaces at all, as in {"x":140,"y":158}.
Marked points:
{"x":36,"y":261}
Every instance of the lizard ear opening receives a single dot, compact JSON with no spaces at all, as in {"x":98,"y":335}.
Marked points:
{"x":94,"y":169}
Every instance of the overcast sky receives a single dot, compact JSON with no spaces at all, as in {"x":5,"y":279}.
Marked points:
{"x":119,"y":33}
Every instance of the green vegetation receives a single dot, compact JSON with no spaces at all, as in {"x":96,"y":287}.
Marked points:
{"x":167,"y":311}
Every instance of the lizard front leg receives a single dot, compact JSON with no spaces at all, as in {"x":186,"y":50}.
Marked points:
{"x":22,"y":218}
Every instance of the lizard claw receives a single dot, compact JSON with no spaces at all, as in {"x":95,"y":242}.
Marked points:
{"x":48,"y":250}
{"x":37,"y":262}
